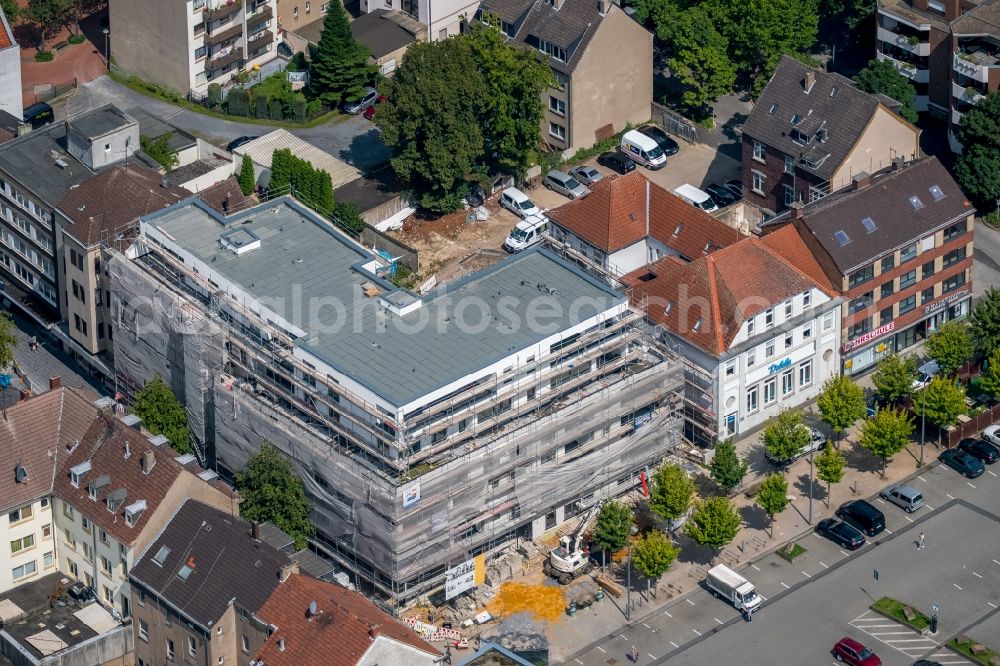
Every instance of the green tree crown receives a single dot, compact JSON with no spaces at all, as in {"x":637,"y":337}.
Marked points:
{"x":989,"y":380}
{"x":950,"y":346}
{"x":785,"y":435}
{"x":8,"y":341}
{"x":772,"y":496}
{"x":246,"y":178}
{"x":340,"y":69}
{"x":984,"y":324}
{"x":714,"y":523}
{"x":653,"y":554}
{"x":162,"y":414}
{"x":894,"y":377}
{"x":671,"y":492}
{"x":727,"y":469}
{"x":841,"y":403}
{"x":830,"y":466}
{"x":886,"y":433}
{"x":613,"y":526}
{"x":273,"y":492}
{"x":978,"y":168}
{"x":941,"y":401}
{"x":881,"y":76}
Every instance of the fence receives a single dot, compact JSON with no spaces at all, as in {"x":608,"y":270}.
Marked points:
{"x":370,"y":236}
{"x":675,"y":123}
{"x":46,"y":92}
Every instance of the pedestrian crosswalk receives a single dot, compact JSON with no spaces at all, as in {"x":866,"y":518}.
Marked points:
{"x":905,"y":640}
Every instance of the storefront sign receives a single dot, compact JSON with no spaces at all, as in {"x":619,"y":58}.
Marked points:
{"x":869,"y":336}
{"x":948,"y":300}
{"x":459,"y":579}
{"x":780,"y":365}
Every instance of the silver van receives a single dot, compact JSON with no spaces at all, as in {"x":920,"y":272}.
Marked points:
{"x":565,"y":184}
{"x":906,"y":497}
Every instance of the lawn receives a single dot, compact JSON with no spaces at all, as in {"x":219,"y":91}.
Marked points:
{"x":791,"y":552}
{"x":894,"y":609}
{"x":966,"y":649}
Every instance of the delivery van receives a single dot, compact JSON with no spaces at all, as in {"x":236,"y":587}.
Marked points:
{"x":526,"y":233}
{"x":723,"y":582}
{"x":696,"y":197}
{"x":643,"y":150}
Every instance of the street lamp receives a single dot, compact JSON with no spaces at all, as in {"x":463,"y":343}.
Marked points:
{"x":812,"y":450}
{"x":107,"y":58}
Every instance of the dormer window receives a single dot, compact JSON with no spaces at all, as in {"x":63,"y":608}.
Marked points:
{"x":556,"y":52}
{"x":97,"y":485}
{"x":77,"y":473}
{"x":799,"y":137}
{"x":133,"y":511}
{"x":115,"y":499}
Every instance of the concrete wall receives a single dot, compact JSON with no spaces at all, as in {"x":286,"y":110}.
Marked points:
{"x":71,"y":307}
{"x":150,"y":39}
{"x":103,"y":151}
{"x":209,"y":179}
{"x":613,"y":81}
{"x":10,"y":81}
{"x":112,"y":647}
{"x":887,"y":137}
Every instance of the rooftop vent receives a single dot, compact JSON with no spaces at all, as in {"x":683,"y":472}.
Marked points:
{"x":20,"y":473}
{"x":647,"y":276}
{"x":916,"y":202}
{"x":240,"y":240}
{"x":313,"y":610}
{"x":61,"y":163}
{"x":869,"y":225}
{"x":796,"y":119}
{"x":774,"y":107}
{"x":678,"y":229}
{"x":936,"y":192}
{"x":842,"y":237}
{"x":148,"y":462}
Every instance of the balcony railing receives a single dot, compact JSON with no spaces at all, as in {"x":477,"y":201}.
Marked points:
{"x":908,"y":70}
{"x":258,"y":40}
{"x":969,"y":94}
{"x":224,"y":35}
{"x":236,"y":54}
{"x":967,"y":65}
{"x":222,"y":11}
{"x":256,"y":19}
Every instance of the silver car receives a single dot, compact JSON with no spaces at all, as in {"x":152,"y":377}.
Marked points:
{"x":565,"y":184}
{"x":587,"y":175}
{"x":367,"y":99}
{"x":906,"y":497}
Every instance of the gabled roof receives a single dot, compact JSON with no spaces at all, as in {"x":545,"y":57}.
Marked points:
{"x":226,"y":564}
{"x":788,"y":244}
{"x":345,"y":627}
{"x":894,"y":219}
{"x":831,"y":105}
{"x":229,"y":190}
{"x":6,"y":33}
{"x":706,"y":301}
{"x":983,"y":19}
{"x":35,"y":435}
{"x":621,"y":211}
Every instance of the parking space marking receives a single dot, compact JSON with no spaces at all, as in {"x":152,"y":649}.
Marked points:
{"x":921,"y":478}
{"x":844,"y":553}
{"x":970,"y":485}
{"x":871,"y":623}
{"x":718,"y":620}
{"x":991,"y":474}
{"x":956,"y":585}
{"x":689,"y":601}
{"x":674,"y":644}
{"x":992,"y":605}
{"x":817,"y":536}
{"x":995,"y":562}
{"x":651,"y":656}
{"x":888,"y":531}
{"x":762,"y":597}
{"x":600,"y":648}
{"x":783,"y":585}
{"x":806,"y":575}
{"x":908,"y":518}
{"x":880,"y":500}
{"x":622,"y":636}
{"x":696,"y":631}
{"x":824,"y":566}
{"x":756,"y":568}
{"x":647,"y":626}
{"x":976,"y":575}
{"x":667,"y":613}
{"x":578,"y":661}
{"x":948,"y":495}
{"x":929,"y":507}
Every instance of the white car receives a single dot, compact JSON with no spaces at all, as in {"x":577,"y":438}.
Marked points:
{"x":518,"y":203}
{"x":992,"y":434}
{"x":925,"y":374}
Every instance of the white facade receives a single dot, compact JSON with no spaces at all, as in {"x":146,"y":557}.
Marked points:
{"x":10,"y":73}
{"x":619,"y":262}
{"x":443,"y":18}
{"x":779,"y":360}
{"x":27,"y":547}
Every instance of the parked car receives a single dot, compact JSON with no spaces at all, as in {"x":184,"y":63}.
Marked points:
{"x":992,"y":434}
{"x":518,"y":203}
{"x":908,"y":498}
{"x":963,"y":463}
{"x":587,"y":175}
{"x":236,"y":143}
{"x":980,"y":448}
{"x":840,"y":533}
{"x":475,"y":197}
{"x":720,"y":195}
{"x":873,"y":403}
{"x":662,"y":139}
{"x":369,"y":113}
{"x":734,"y":185}
{"x":38,"y":115}
{"x":852,"y":652}
{"x":817,"y":441}
{"x":565,"y":184}
{"x":368,"y":98}
{"x":617,"y":161}
{"x":925,"y":373}
{"x":863,"y":516}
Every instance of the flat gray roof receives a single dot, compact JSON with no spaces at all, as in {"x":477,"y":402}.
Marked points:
{"x":152,"y":127}
{"x":461,"y":328}
{"x":31,"y":160}
{"x":100,"y":122}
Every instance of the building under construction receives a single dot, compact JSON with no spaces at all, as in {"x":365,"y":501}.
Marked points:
{"x":427,"y":428}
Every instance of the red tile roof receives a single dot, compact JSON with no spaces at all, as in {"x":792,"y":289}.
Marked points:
{"x":707,"y":300}
{"x":787,"y":243}
{"x":35,"y":434}
{"x":229,"y":190}
{"x":6,"y":37}
{"x":621,"y":211}
{"x":345,"y":628}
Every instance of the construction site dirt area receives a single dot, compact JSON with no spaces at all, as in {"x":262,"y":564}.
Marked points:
{"x":545,"y":602}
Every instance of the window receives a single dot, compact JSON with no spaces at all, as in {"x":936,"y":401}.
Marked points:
{"x":25,"y":570}
{"x":556,"y":52}
{"x":48,"y":559}
{"x":806,"y":298}
{"x":888,"y":263}
{"x":769,"y":349}
{"x":860,"y":276}
{"x":805,"y":374}
{"x":44,"y":503}
{"x":74,"y":570}
{"x":769,"y":318}
{"x":87,"y":552}
{"x":861,"y":302}
{"x":953,"y":283}
{"x":788,"y":309}
{"x":750,"y":326}
{"x":807,"y":331}
{"x":927,"y":270}
{"x":954,"y":231}
{"x":815,"y":194}
{"x":439,"y":436}
{"x":24,"y":543}
{"x":106,"y":593}
{"x":47,"y":531}
{"x":18,"y":515}
{"x":106,"y":565}
{"x":787,"y":382}
{"x":953,"y":257}
{"x":788,"y":340}
{"x":103,"y":535}
{"x":907,"y":304}
{"x":295,"y":12}
{"x":907,"y":253}
{"x":192,"y":646}
{"x":308,"y":7}
{"x":758,"y":151}
{"x":789,"y":194}
{"x":245,"y":644}
{"x":68,"y":510}
{"x":199,"y":52}
{"x":144,"y":630}
{"x":731,"y":369}
{"x":70,"y":541}
{"x":827,"y":321}
{"x":927,"y":295}
{"x":86,"y":523}
{"x":443,"y":33}
{"x":769,"y":391}
{"x":170,"y":649}
{"x":751,"y":358}
{"x":908,"y":280}
{"x":558,"y":131}
{"x":885,"y":315}
{"x":557,"y":105}
{"x":100,"y":329}
{"x":860,"y":328}
{"x":757,"y":182}
{"x":789,"y":164}
{"x":752,"y":399}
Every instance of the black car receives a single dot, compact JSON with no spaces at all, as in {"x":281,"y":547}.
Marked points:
{"x":978,"y":448}
{"x":963,"y":463}
{"x":617,"y":161}
{"x":720,"y":195}
{"x":734,"y":185}
{"x":662,"y":139}
{"x":863,"y":516}
{"x":236,"y":143}
{"x":841,"y":533}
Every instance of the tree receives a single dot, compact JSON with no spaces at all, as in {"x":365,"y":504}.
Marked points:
{"x":894,"y":377}
{"x":273,"y":492}
{"x":984,"y":324}
{"x":8,"y":341}
{"x":941,"y":401}
{"x":347,"y":215}
{"x":727,"y":469}
{"x":246,"y":178}
{"x":238,"y":102}
{"x":785,"y":435}
{"x":162,"y":414}
{"x":714,"y":523}
{"x":950,"y":346}
{"x":989,"y":380}
{"x":886,"y":433}
{"x":653,"y":554}
{"x":830,"y":468}
{"x":671,"y":492}
{"x":978,"y":168}
{"x":613,"y":526}
{"x":49,"y":15}
{"x":700,"y":59}
{"x":340,"y":69}
{"x":10,"y":10}
{"x":881,"y":76}
{"x":159,"y":151}
{"x":841,"y":403}
{"x":772,"y":496}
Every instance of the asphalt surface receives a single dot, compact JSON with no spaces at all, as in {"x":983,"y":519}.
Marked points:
{"x":353,"y":140}
{"x":824,"y":595}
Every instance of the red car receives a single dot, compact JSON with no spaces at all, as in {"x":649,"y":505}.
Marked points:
{"x":370,"y":111}
{"x":852,"y":652}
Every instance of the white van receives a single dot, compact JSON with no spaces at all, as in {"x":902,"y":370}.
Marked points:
{"x":518,"y":203}
{"x":526,"y":233}
{"x":643,"y":150}
{"x":696,"y":197}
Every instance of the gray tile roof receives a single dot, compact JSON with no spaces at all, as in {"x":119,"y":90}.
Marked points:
{"x":904,"y":9}
{"x":887,"y":203}
{"x":832,"y":103}
{"x":152,"y":127}
{"x":228,"y":564}
{"x":100,"y":122}
{"x":376,"y":31}
{"x":981,"y":20}
{"x":31,"y":161}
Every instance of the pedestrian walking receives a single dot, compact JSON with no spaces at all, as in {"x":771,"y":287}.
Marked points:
{"x":633,"y":655}
{"x":33,"y":345}
{"x":920,"y":541}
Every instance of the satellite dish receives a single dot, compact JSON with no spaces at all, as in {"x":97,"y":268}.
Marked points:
{"x":312,"y":608}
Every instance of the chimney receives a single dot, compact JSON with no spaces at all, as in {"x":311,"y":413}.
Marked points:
{"x":54,"y":382}
{"x":809,"y":80}
{"x":287,"y":570}
{"x":128,"y":451}
{"x":795,"y":210}
{"x":255,"y":531}
{"x":860,"y":181}
{"x":24,"y":395}
{"x":225,"y":205}
{"x":897,"y":163}
{"x":148,"y":461}
{"x":602,"y":7}
{"x":556,"y":3}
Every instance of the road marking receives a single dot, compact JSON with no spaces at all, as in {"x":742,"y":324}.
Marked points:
{"x":646,"y":625}
{"x":756,"y":568}
{"x":651,"y":656}
{"x":921,"y":478}
{"x":879,"y":626}
{"x":970,"y":485}
{"x":888,"y":531}
{"x":992,"y":605}
{"x":696,"y":631}
{"x":892,"y":633}
{"x":995,"y":562}
{"x":880,"y":500}
{"x":600,"y":648}
{"x":976,"y":575}
{"x":948,"y":495}
{"x":718,"y":620}
{"x":667,"y":613}
{"x":689,"y":601}
{"x":929,"y":507}
{"x":991,"y":473}
{"x":806,"y":575}
{"x":622,"y":636}
{"x":845,"y":553}
{"x":817,"y":536}
{"x":956,"y":585}
{"x":824,"y":566}
{"x":908,"y":518}
{"x":578,"y":661}
{"x":783,"y":585}
{"x":674,"y":644}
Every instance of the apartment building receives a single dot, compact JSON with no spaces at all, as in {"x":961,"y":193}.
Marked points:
{"x":440,"y":19}
{"x":187,"y":45}
{"x":198,"y":586}
{"x":294,"y":14}
{"x":811,"y":132}
{"x":601,"y":60}
{"x":897,"y":246}
{"x":10,"y":71}
{"x":33,"y":437}
{"x":427,"y":428}
{"x":949,"y":49}
{"x":760,"y":334}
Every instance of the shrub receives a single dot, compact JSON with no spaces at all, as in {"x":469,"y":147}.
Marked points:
{"x":299,"y":107}
{"x":76,"y":39}
{"x":238,"y":102}
{"x":297,"y":63}
{"x":214,"y":95}
{"x":277,"y":109}
{"x":260,"y":106}
{"x":313,"y":107}
{"x":44,"y":56}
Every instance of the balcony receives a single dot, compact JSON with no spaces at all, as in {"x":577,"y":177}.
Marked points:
{"x":974,"y":65}
{"x":969,"y":94}
{"x":233,"y":55}
{"x":258,"y":40}
{"x":264,"y":14}
{"x":911,"y":43}
{"x":224,"y":35}
{"x":222,"y":11}
{"x":906,"y":69}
